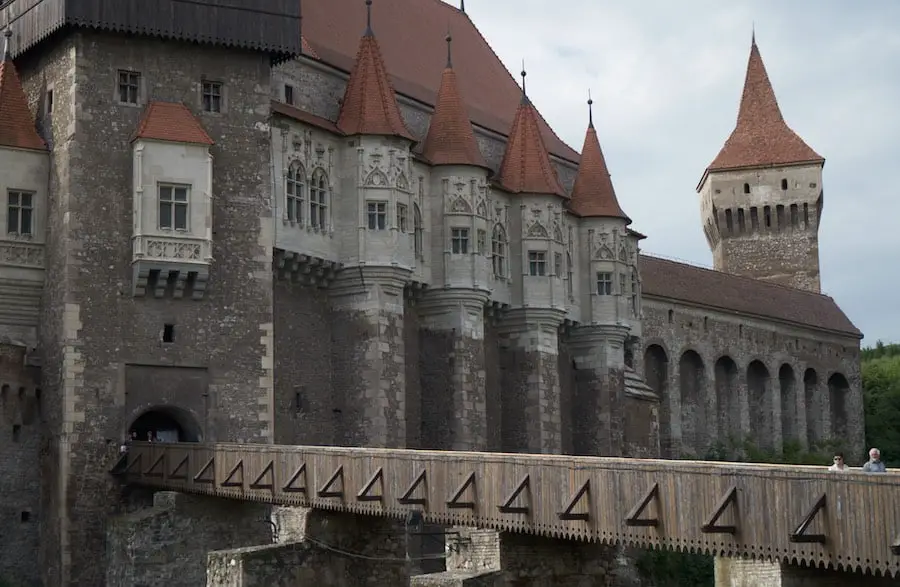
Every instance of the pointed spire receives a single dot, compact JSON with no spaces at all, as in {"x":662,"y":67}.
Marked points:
{"x":451,"y":140}
{"x":593,"y":194}
{"x":525,"y":99}
{"x":526,"y":166}
{"x":370,"y":106}
{"x":462,"y":5}
{"x":761,"y":137}
{"x":449,"y":40}
{"x":17,"y":127}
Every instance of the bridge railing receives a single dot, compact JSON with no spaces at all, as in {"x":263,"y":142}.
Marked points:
{"x":792,"y":513}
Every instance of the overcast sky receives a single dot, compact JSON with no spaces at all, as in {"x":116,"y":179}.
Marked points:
{"x":666,"y":79}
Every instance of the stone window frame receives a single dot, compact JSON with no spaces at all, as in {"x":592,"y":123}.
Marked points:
{"x":295,"y":193}
{"x":49,"y":99}
{"x":418,"y":232}
{"x":623,"y":276}
{"x":481,"y":241}
{"x":319,"y":200}
{"x":499,"y":251}
{"x":140,"y":96}
{"x":537,"y":263}
{"x":570,"y":276}
{"x":289,"y":94}
{"x":21,"y":212}
{"x":634,"y":291}
{"x":186,"y":203}
{"x":604,"y":283}
{"x":402,"y":218}
{"x":557,"y":265}
{"x":222,"y":96}
{"x":459,"y":240}
{"x":376,"y":214}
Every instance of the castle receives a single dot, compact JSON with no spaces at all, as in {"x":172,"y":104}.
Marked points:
{"x":218,"y":229}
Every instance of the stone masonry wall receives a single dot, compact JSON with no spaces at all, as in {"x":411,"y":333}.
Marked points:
{"x":732,"y":572}
{"x":168,"y":544}
{"x":785,"y":258}
{"x":415,"y":361}
{"x":21,"y":441}
{"x":102,"y":328}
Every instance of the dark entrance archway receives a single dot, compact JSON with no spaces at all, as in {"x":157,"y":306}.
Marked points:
{"x":166,"y":424}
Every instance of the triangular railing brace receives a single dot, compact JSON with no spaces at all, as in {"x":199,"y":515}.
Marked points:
{"x":180,"y":472}
{"x":291,"y":487}
{"x":209,"y":467}
{"x":327,"y":491}
{"x":268,"y":471}
{"x":159,"y":463}
{"x":232,"y":479}
{"x":407,"y":498}
{"x":454,"y":502}
{"x":364,"y":495}
{"x":799,"y":534}
{"x":507,"y":507}
{"x":632,"y":518}
{"x":567,"y":513}
{"x":710,"y":527}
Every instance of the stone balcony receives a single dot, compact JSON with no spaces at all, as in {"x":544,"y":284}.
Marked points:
{"x":170,"y":265}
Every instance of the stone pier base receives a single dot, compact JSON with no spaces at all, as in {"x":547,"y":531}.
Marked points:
{"x":733,"y":572}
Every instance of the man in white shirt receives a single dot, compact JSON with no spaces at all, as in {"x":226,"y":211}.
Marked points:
{"x":838,"y":463}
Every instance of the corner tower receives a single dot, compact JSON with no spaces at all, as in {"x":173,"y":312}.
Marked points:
{"x":761,"y":197}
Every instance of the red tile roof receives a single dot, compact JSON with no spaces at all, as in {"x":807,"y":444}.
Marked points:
{"x":307,"y":48}
{"x":370,"y":106}
{"x":450,"y":139}
{"x":526,"y":166}
{"x":16,"y":123}
{"x":678,"y":281}
{"x":304,"y":116}
{"x":761,"y":137}
{"x":593,"y":194}
{"x":411,"y":34}
{"x":171,"y":121}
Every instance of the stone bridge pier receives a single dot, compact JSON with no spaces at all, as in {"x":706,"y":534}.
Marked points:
{"x":736,"y":572}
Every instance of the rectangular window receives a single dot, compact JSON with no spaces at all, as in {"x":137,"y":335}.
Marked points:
{"x":622,"y":284}
{"x":634,"y":292}
{"x":481,"y":241}
{"x":557,"y":265}
{"x":129,"y":87}
{"x":604,"y":284}
{"x":212,"y":96}
{"x":459,"y":241}
{"x":537,"y":263}
{"x":318,"y":201}
{"x":289,"y":94}
{"x":19,"y":212}
{"x":173,"y":207}
{"x":49,"y":103}
{"x":402,"y":217}
{"x":377,"y":212}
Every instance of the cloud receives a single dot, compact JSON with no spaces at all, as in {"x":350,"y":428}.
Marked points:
{"x":666,"y":79}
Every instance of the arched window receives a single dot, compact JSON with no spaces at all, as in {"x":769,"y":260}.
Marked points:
{"x":295,"y":192}
{"x":318,"y":200}
{"x":417,"y":232}
{"x":570,"y":286}
{"x":499,"y":251}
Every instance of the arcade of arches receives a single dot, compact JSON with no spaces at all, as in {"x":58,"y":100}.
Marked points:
{"x":704,"y":403}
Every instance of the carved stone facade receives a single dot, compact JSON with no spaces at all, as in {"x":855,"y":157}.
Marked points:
{"x":309,"y":286}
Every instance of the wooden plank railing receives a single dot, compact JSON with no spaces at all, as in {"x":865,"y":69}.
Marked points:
{"x":791,"y":513}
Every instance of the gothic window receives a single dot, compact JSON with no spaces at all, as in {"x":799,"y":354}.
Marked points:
{"x":318,"y":200}
{"x":129,"y":87}
{"x":557,"y":265}
{"x":459,"y":241}
{"x":498,"y":251}
{"x":481,"y":241}
{"x":294,"y":192}
{"x":402,"y":218}
{"x":622,"y":284}
{"x":418,"y":230}
{"x":377,"y":213}
{"x":211,"y":94}
{"x":537,"y":263}
{"x":19,"y":212}
{"x":173,"y":207}
{"x":570,"y":285}
{"x":604,"y":283}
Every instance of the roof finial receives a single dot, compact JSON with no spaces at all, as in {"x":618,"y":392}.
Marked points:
{"x":462,"y":5}
{"x":524,"y":92}
{"x":590,"y":110}
{"x":753,"y":33}
{"x":7,"y":34}
{"x":369,"y":32}
{"x":449,"y":39}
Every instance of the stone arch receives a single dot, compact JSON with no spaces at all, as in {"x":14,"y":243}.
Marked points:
{"x":790,"y":415}
{"x":838,"y":390}
{"x":759,"y":392}
{"x":169,"y":423}
{"x":692,"y":388}
{"x":813,"y":402}
{"x":656,"y":374}
{"x":728,"y":398}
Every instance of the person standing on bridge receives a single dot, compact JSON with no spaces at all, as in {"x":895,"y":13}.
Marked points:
{"x":838,"y":463}
{"x":875,"y":464}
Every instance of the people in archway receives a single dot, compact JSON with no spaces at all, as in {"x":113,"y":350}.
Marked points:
{"x":838,"y":464}
{"x":875,"y":464}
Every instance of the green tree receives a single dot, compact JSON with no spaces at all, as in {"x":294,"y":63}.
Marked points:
{"x":880,"y":370}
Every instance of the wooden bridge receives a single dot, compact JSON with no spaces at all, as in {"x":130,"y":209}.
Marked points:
{"x":850,"y":521}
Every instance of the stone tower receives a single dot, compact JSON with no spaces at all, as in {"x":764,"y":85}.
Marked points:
{"x":761,"y":197}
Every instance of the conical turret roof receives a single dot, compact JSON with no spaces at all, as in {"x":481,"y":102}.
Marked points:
{"x":16,"y":123}
{"x":526,"y":166}
{"x":370,"y":106}
{"x":593,"y":194}
{"x":761,"y":137}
